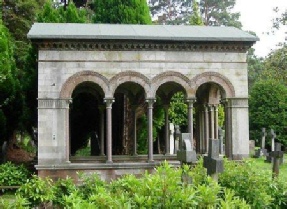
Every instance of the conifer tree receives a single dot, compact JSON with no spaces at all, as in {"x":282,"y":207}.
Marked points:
{"x":122,"y":12}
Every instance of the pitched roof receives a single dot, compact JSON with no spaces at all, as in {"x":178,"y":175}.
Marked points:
{"x":138,"y":32}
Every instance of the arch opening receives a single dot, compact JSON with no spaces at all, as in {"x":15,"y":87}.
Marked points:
{"x":85,"y":120}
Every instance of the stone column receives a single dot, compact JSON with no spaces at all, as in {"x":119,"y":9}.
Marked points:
{"x":239,"y":128}
{"x":190,"y":102}
{"x":150,"y":125}
{"x":206,"y":127}
{"x":201,"y":128}
{"x":216,"y":121}
{"x":102,"y":128}
{"x":211,"y":116}
{"x":134,"y":107}
{"x":109,"y":102}
{"x":68,"y":140}
{"x":228,"y":121}
{"x":166,"y":130}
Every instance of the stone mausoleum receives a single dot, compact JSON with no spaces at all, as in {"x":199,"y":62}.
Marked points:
{"x":94,"y":80}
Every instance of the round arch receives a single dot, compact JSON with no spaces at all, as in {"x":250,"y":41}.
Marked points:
{"x":171,"y":76}
{"x":71,"y":83}
{"x":214,"y":77}
{"x":130,"y":76}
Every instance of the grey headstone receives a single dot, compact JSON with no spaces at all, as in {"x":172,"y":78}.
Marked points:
{"x":263,"y":138}
{"x":3,"y":155}
{"x":213,"y":163}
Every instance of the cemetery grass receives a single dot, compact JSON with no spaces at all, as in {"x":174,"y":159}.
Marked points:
{"x":260,"y":164}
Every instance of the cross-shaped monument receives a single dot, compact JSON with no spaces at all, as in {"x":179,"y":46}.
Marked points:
{"x":213,"y":163}
{"x":276,"y":156}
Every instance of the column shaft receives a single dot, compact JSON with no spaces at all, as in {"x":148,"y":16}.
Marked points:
{"x":206,"y":127}
{"x":150,"y":127}
{"x":109,"y":103}
{"x":216,"y":121}
{"x":166,"y":131}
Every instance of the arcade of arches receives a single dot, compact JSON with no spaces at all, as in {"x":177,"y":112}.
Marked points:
{"x":101,"y":87}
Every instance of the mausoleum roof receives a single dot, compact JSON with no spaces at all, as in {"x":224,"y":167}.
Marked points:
{"x":138,"y":32}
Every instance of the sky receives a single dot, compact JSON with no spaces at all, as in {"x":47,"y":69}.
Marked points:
{"x":257,"y":15}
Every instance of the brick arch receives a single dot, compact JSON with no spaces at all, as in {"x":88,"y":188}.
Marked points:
{"x":71,"y":83}
{"x":172,"y":76}
{"x":214,"y":77}
{"x":130,"y":76}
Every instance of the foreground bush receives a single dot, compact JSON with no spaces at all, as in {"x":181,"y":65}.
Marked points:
{"x":13,"y":175}
{"x":240,"y":186}
{"x":162,"y":189}
{"x":255,"y":186}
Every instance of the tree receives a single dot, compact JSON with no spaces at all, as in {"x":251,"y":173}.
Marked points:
{"x":53,"y":13}
{"x":10,"y":97}
{"x":171,"y":12}
{"x":275,"y":65}
{"x":219,"y":13}
{"x":281,"y":20}
{"x":196,"y":18}
{"x":123,"y":12}
{"x":268,"y":109}
{"x":255,"y":67}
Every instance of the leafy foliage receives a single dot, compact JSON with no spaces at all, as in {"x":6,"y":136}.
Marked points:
{"x":275,"y":65}
{"x":178,"y":110}
{"x":268,"y":104}
{"x":58,"y":14}
{"x":171,"y":12}
{"x":196,"y":18}
{"x":123,"y":12}
{"x":36,"y":191}
{"x":13,"y":175}
{"x":255,"y":186}
{"x":219,"y":13}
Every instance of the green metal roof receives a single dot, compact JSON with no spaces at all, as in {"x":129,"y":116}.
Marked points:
{"x":138,"y":32}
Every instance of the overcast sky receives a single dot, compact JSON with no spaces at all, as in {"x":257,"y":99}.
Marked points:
{"x":256,"y":15}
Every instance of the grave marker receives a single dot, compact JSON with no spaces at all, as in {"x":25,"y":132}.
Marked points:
{"x":276,"y":155}
{"x":220,"y":138}
{"x":3,"y":156}
{"x":262,"y":151}
{"x":213,"y":163}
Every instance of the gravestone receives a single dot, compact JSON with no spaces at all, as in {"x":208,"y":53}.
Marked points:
{"x":273,"y":136}
{"x":220,"y":138}
{"x":186,"y":154}
{"x":262,"y":151}
{"x":276,"y":156}
{"x":251,"y":147}
{"x":213,"y":163}
{"x":3,"y":155}
{"x":95,"y":144}
{"x":176,"y":138}
{"x":171,"y":138}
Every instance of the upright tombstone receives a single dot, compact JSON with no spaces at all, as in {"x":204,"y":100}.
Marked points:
{"x":276,"y":156}
{"x":273,"y":136}
{"x":176,"y":138}
{"x":262,"y":151}
{"x":220,"y":138}
{"x":3,"y":156}
{"x":213,"y":163}
{"x":171,"y":139}
{"x":186,"y":153}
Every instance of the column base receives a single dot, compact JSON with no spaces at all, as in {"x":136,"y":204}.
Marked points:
{"x":109,"y":162}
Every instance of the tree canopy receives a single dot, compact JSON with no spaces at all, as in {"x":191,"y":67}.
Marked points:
{"x":118,"y":11}
{"x":267,"y":107}
{"x":218,"y":13}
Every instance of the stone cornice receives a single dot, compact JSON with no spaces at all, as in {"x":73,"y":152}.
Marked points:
{"x":92,"y":45}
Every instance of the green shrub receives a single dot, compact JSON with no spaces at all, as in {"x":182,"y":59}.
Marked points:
{"x":13,"y":175}
{"x":247,"y":182}
{"x":37,"y":191}
{"x":61,"y":189}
